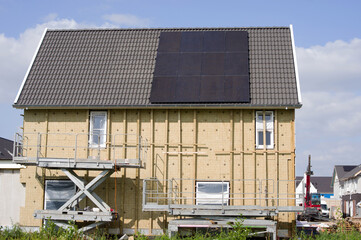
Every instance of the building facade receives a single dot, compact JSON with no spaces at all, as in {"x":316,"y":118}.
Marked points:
{"x":185,"y":135}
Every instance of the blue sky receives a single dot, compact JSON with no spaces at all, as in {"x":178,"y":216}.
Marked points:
{"x":327,"y":36}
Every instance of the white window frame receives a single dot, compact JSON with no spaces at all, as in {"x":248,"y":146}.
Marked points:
{"x":213,"y":199}
{"x":91,"y":129}
{"x":63,"y":199}
{"x":264,"y":126}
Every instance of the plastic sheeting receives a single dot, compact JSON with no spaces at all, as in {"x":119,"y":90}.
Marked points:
{"x":58,"y":192}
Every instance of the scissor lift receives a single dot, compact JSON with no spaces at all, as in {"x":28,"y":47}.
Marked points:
{"x":105,"y":168}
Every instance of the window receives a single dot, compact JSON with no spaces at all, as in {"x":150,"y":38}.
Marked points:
{"x":264,"y":129}
{"x":98,"y":129}
{"x":58,"y":192}
{"x":212,"y":193}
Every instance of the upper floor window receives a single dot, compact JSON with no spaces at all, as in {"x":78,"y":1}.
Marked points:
{"x":264,"y":130}
{"x":98,"y":128}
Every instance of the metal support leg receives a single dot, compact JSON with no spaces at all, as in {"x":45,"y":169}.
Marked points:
{"x":87,"y":190}
{"x":83,"y":229}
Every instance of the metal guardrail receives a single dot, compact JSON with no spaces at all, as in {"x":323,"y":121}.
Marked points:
{"x":121,"y":149}
{"x":243,"y":194}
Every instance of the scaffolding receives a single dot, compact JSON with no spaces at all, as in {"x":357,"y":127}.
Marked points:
{"x":260,"y":227}
{"x":253,"y":197}
{"x":75,"y":153}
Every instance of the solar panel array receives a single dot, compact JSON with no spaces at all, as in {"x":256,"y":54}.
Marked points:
{"x":196,"y":67}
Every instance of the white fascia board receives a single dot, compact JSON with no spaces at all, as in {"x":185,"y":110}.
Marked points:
{"x":296,"y":66}
{"x":10,"y":165}
{"x":30,"y":66}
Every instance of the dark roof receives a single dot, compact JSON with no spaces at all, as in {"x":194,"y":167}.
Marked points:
{"x":6,"y":148}
{"x":342,"y":170}
{"x":321,"y":183}
{"x":353,"y":173}
{"x":114,"y":68}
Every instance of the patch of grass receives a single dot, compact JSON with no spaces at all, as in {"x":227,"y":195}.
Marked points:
{"x":52,"y":232}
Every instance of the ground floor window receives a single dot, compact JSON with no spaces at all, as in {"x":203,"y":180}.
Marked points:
{"x":58,"y":192}
{"x":212,"y":193}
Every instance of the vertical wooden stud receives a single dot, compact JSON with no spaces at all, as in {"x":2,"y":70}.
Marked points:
{"x":195,"y":148}
{"x":124,"y":170}
{"x":242,"y":155}
{"x":137,"y":180}
{"x":152,"y":161}
{"x":231,"y":170}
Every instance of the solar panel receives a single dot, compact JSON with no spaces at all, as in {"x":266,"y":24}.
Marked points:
{"x":236,"y":87}
{"x":236,"y":41}
{"x":214,"y":41}
{"x":236,"y":63}
{"x":213,"y":64}
{"x":191,"y":42}
{"x":212,"y":89}
{"x":163,"y":89}
{"x":190,"y":64}
{"x":167,"y":64}
{"x":188,"y":88}
{"x":201,"y":67}
{"x":169,"y":42}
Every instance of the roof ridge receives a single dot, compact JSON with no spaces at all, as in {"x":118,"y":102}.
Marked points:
{"x":176,"y":28}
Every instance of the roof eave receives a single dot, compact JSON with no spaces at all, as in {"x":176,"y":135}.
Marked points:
{"x":160,"y":106}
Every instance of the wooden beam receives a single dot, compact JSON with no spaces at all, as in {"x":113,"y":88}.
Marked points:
{"x":137,"y":173}
{"x":231,"y":167}
{"x":195,"y":149}
{"x":242,"y":153}
{"x":122,"y":217}
{"x":152,"y":163}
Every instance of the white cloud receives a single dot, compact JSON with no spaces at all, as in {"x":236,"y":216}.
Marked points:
{"x":16,"y":54}
{"x":333,"y":66}
{"x":329,"y":123}
{"x":50,"y":17}
{"x":127,"y":20}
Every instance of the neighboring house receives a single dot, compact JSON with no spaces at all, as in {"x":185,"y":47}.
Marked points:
{"x":323,"y":185}
{"x":183,"y":122}
{"x":319,"y":184}
{"x":301,"y":190}
{"x":12,"y":195}
{"x":339,"y":172}
{"x":350,"y":192}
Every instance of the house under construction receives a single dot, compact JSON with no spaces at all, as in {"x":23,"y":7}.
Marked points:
{"x":150,"y":130}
